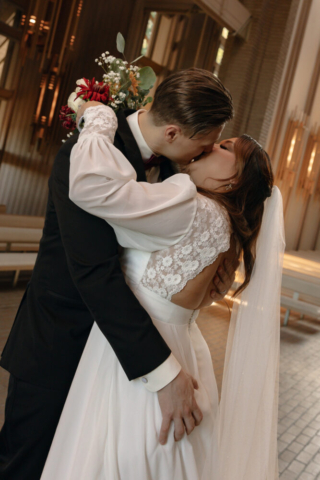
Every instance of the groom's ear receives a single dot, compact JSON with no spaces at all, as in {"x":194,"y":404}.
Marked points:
{"x":171,"y":133}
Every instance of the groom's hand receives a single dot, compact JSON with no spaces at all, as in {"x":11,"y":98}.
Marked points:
{"x":178,"y":404}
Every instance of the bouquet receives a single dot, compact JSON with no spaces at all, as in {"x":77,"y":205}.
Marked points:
{"x":123,"y":85}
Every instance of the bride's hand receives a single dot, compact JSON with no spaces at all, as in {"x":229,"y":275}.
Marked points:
{"x":84,"y":106}
{"x":178,"y":404}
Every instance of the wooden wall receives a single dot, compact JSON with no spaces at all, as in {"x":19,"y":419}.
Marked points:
{"x":25,"y":167}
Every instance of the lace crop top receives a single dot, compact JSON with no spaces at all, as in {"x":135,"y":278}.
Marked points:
{"x":169,"y":270}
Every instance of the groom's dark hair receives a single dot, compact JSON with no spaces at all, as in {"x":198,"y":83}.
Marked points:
{"x":194,"y":99}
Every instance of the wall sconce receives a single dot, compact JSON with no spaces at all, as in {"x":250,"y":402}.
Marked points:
{"x":310,"y":163}
{"x":291,"y":154}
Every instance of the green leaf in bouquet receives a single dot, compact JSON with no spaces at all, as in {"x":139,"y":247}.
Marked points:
{"x":121,"y":43}
{"x":147,"y":78}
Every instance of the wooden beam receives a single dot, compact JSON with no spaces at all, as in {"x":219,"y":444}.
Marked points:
{"x":6,"y":94}
{"x":21,"y":4}
{"x":10,"y":32}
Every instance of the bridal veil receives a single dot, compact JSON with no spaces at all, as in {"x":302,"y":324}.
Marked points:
{"x":249,"y":399}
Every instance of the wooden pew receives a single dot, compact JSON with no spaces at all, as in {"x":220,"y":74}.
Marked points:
{"x":21,"y":221}
{"x":17,"y":262}
{"x":310,"y":305}
{"x":22,"y":240}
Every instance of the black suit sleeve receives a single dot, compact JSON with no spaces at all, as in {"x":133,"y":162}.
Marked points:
{"x":92,"y":256}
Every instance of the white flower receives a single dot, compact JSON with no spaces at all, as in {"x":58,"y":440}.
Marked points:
{"x":190,"y":266}
{"x":167,"y":261}
{"x":63,"y":141}
{"x":172,"y":279}
{"x":74,"y":103}
{"x":113,"y":104}
{"x":117,"y":62}
{"x":103,"y":54}
{"x":97,"y":60}
{"x":81,"y":81}
{"x":138,"y":75}
{"x":151,"y":273}
{"x":205,"y":236}
{"x":186,"y":250}
{"x":107,"y":53}
{"x":99,"y":63}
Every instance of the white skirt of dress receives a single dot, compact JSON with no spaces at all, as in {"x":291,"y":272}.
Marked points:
{"x":109,"y":428}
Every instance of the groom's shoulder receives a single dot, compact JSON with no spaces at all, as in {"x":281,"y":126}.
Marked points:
{"x":61,"y":164}
{"x":66,"y":147}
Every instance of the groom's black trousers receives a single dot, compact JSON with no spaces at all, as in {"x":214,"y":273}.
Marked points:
{"x":31,"y":417}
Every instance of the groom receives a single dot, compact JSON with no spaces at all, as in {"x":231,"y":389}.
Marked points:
{"x":77,"y":280}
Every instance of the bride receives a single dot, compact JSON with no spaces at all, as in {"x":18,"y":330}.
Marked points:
{"x":109,"y":426}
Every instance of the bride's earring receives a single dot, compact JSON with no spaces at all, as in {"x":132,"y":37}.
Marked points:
{"x":229,"y":187}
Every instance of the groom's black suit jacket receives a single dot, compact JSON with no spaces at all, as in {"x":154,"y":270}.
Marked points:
{"x":77,"y":279}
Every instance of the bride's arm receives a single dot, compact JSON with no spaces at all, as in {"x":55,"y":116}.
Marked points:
{"x":103,"y":183}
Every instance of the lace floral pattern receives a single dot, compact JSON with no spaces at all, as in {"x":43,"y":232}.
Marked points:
{"x":100,"y":120}
{"x":169,"y":270}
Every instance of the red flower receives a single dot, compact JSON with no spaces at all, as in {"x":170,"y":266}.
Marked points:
{"x":65,"y":117}
{"x":94,"y":91}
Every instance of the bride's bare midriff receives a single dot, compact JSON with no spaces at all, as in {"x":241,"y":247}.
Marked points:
{"x":196,"y":293}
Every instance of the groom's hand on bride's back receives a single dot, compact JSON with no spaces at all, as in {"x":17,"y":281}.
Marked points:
{"x":178,"y":405}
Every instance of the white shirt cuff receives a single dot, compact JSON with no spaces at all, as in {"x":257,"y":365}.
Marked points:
{"x":162,"y":375}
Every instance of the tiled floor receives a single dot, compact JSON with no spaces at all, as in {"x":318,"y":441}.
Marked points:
{"x":299,"y":412}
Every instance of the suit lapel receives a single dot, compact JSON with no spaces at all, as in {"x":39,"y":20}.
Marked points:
{"x":129,"y":146}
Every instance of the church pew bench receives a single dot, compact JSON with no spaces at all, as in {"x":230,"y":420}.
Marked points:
{"x":301,"y":285}
{"x":21,"y":221}
{"x":17,"y":262}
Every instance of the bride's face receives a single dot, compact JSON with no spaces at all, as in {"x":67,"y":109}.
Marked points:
{"x":216,"y":168}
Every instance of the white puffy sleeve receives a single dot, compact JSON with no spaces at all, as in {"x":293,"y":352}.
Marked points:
{"x":103,"y":183}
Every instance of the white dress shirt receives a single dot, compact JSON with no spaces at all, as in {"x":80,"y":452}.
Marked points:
{"x":152,"y":173}
{"x":103,"y":183}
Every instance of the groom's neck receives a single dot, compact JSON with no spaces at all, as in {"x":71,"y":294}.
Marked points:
{"x":150,"y":132}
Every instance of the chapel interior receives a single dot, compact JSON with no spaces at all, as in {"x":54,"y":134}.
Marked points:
{"x":267,"y":53}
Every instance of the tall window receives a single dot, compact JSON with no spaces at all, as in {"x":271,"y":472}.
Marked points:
{"x":220,"y":53}
{"x":148,"y":34}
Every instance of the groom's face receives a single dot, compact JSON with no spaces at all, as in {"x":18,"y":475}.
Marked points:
{"x":182,"y":149}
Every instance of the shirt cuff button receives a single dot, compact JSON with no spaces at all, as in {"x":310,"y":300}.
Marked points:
{"x":145,"y":380}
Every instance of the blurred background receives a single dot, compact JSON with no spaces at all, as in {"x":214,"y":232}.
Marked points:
{"x":267,"y":53}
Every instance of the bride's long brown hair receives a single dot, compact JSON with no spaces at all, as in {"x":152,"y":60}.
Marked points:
{"x":245,"y":201}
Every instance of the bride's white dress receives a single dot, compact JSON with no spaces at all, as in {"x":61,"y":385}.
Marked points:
{"x":109,"y":427}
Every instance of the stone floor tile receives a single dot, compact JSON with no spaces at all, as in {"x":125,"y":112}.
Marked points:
{"x":287,"y":456}
{"x":295,"y":447}
{"x":296,"y":467}
{"x":306,"y":476}
{"x":287,"y":475}
{"x":311,"y":448}
{"x":303,"y":439}
{"x":282,"y":465}
{"x":313,"y":468}
{"x":310,"y":432}
{"x":304,"y":457}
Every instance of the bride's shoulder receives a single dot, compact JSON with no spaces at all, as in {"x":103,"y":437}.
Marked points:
{"x":213,"y":210}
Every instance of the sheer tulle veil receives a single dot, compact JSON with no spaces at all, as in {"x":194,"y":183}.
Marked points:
{"x":249,"y":399}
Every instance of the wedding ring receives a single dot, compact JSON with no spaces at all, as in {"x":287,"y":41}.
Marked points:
{"x":224,"y":291}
